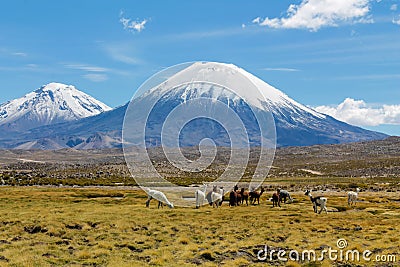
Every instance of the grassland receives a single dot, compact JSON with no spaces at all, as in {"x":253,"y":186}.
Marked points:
{"x":50,"y":226}
{"x":81,"y":208}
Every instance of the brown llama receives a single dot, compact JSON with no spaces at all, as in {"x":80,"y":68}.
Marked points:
{"x":240,"y":196}
{"x":245,"y":196}
{"x":255,"y":196}
{"x":232,"y":198}
{"x":276,"y":200}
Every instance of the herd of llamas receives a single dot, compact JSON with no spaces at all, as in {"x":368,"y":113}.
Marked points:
{"x":240,"y":197}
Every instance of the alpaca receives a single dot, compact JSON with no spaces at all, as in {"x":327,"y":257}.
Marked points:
{"x":245,"y":197}
{"x":160,"y":196}
{"x":276,"y":199}
{"x":352,"y":197}
{"x":284,"y":195}
{"x":217,"y":198}
{"x":317,"y":201}
{"x":239,"y":195}
{"x":200,"y":195}
{"x":254,"y":195}
{"x":232,"y":198}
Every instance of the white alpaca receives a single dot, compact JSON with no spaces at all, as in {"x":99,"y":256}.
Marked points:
{"x":200,"y":195}
{"x":318,"y":201}
{"x":352,"y":197}
{"x":217,"y":197}
{"x":159,"y":196}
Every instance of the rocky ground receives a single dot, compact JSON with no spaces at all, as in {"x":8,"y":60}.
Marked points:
{"x":377,"y":162}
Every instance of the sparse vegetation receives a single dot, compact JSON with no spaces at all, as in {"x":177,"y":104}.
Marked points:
{"x":77,"y":208}
{"x":44,"y":226}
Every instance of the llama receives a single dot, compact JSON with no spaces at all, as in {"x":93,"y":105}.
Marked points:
{"x":240,"y":195}
{"x":217,"y":198}
{"x":284,"y":195}
{"x":233,"y":198}
{"x":254,"y":195}
{"x":276,"y":199}
{"x":160,"y":196}
{"x":200,"y":195}
{"x":245,"y":197}
{"x":317,"y":201}
{"x":352,"y":197}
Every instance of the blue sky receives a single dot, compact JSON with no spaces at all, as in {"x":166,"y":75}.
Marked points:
{"x":339,"y":56}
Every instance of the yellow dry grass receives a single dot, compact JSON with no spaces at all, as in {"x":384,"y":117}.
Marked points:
{"x":98,"y":227}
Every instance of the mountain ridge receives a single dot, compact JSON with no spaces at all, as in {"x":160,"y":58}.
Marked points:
{"x":295,"y":123}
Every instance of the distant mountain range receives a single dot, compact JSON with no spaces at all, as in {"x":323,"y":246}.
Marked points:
{"x":59,"y":116}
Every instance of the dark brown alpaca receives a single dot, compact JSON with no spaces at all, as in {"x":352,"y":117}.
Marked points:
{"x":239,"y":196}
{"x":232,"y":198}
{"x":275,"y":200}
{"x":256,"y":196}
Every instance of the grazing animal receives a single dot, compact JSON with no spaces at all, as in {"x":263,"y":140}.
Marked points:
{"x":284,"y":195}
{"x":217,"y":198}
{"x":241,"y":196}
{"x":255,"y":196}
{"x":233,"y":198}
{"x":317,"y":202}
{"x":276,"y":199}
{"x":159,"y":196}
{"x":200,"y":195}
{"x":245,"y":197}
{"x":352,"y":197}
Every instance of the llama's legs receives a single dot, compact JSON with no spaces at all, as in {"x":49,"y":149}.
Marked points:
{"x":148,"y":201}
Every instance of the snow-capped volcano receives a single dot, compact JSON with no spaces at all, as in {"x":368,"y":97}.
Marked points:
{"x":52,"y":103}
{"x":261,"y":95}
{"x":295,"y":123}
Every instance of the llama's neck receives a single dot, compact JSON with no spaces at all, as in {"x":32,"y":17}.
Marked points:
{"x":204,"y":188}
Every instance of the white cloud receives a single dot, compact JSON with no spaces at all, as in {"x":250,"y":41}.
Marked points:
{"x":92,"y":73}
{"x":396,"y":21}
{"x":358,"y":112}
{"x":19,"y":54}
{"x":86,"y":67}
{"x":393,"y":7}
{"x":95,"y":77}
{"x":132,"y":25}
{"x":314,"y":14}
{"x":280,"y":69}
{"x":256,"y":20}
{"x":122,"y":52}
